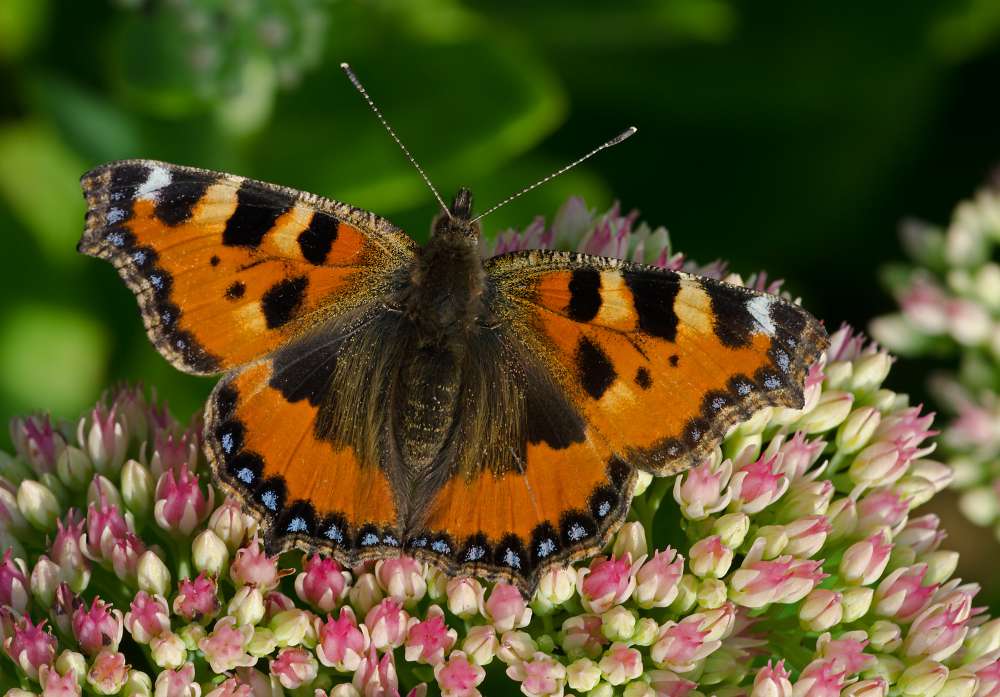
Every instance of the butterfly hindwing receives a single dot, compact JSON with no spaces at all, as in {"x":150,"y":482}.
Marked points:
{"x":659,"y":363}
{"x":225,"y":268}
{"x":266,"y":439}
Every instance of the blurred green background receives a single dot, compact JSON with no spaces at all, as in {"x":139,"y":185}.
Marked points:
{"x":785,"y":136}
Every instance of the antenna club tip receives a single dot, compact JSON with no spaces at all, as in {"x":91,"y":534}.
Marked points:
{"x":345,"y":66}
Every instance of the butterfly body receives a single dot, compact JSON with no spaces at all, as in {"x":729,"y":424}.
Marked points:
{"x":378,"y":397}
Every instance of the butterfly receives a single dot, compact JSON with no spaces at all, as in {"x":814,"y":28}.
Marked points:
{"x":378,"y":397}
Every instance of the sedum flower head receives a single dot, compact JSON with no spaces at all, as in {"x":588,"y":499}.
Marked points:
{"x":790,"y":562}
{"x":949,"y":304}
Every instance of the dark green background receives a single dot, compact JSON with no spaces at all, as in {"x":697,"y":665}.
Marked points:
{"x":785,"y":136}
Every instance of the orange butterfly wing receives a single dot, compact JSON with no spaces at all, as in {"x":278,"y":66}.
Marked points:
{"x":660,"y":363}
{"x":652,"y":368}
{"x":226,"y":269}
{"x":234,"y":275}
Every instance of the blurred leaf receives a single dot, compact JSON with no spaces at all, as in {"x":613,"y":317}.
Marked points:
{"x":50,"y":357}
{"x":967,"y":30}
{"x":468,"y":106}
{"x":91,"y":124}
{"x":21,"y":23}
{"x":39,"y":180}
{"x":250,"y":109}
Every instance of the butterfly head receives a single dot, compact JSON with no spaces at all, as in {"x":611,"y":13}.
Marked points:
{"x":457,"y":224}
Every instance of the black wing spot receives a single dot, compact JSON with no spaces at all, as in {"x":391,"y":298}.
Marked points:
{"x":653,"y":296}
{"x":643,"y":379}
{"x":214,"y":261}
{"x":303,"y":370}
{"x":257,"y":209}
{"x":597,"y":373}
{"x":236,"y":291}
{"x":317,"y":239}
{"x":734,"y":325}
{"x":674,"y":360}
{"x":176,"y":201}
{"x":584,"y":294}
{"x":283,"y":300}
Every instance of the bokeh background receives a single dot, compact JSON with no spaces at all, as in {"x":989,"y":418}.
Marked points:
{"x":791,"y":137}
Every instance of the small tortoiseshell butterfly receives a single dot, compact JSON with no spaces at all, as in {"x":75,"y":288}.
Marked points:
{"x":379,"y":397}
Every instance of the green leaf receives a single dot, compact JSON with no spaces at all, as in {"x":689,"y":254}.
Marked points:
{"x":21,"y":24}
{"x":51,"y":358}
{"x":39,"y":180}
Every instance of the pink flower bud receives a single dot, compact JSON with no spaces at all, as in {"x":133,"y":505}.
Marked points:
{"x":772,"y":681}
{"x":881,"y":509}
{"x":821,"y":610}
{"x":228,"y":522}
{"x":901,"y":595}
{"x":402,"y":578}
{"x":864,"y":562}
{"x":98,"y":628}
{"x":939,"y":630}
{"x":710,"y":558}
{"x":108,"y":673}
{"x":621,"y":664}
{"x":542,"y":675}
{"x":922,"y":534}
{"x":481,"y":644}
{"x":516,"y":646}
{"x":322,"y":583}
{"x":177,"y":683}
{"x":506,"y":608}
{"x":342,"y":644}
{"x":757,"y":485}
{"x":226,"y":647}
{"x":233,"y":687}
{"x":631,"y":540}
{"x":275,"y":602}
{"x":294,"y":668}
{"x":821,"y":678}
{"x":607,"y":582}
{"x":679,"y":646}
{"x":465,"y":596}
{"x":882,"y":462}
{"x":907,"y":427}
{"x":377,"y":678}
{"x":104,"y":437}
{"x":56,"y":685}
{"x":797,"y":454}
{"x":253,"y":566}
{"x":197,"y":600}
{"x":582,"y":636}
{"x":148,"y":617}
{"x":658,"y":578}
{"x":387,"y":624}
{"x":171,"y":452}
{"x":105,"y":526}
{"x":806,"y":536}
{"x":758,"y":583}
{"x":365,"y":593}
{"x":703,"y":490}
{"x":180,"y":506}
{"x":125,"y":554}
{"x":45,"y":579}
{"x":66,"y":552}
{"x":427,"y":641}
{"x":14,"y":585}
{"x":458,"y":676}
{"x":30,"y":646}
{"x":37,"y":442}
{"x":989,"y":679}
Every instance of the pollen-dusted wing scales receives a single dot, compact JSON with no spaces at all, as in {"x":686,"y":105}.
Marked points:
{"x":660,"y":363}
{"x":225,"y":268}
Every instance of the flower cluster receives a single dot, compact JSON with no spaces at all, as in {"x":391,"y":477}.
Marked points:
{"x":788,"y":563}
{"x":950,"y":306}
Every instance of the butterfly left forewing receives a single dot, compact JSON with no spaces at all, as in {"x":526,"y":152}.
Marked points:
{"x":659,"y":363}
{"x":226,"y":268}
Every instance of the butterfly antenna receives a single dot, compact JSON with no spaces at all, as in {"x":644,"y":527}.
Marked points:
{"x":371,"y":103}
{"x":627,"y":133}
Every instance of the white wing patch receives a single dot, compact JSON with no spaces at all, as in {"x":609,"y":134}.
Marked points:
{"x":759,"y":308}
{"x":158,"y":178}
